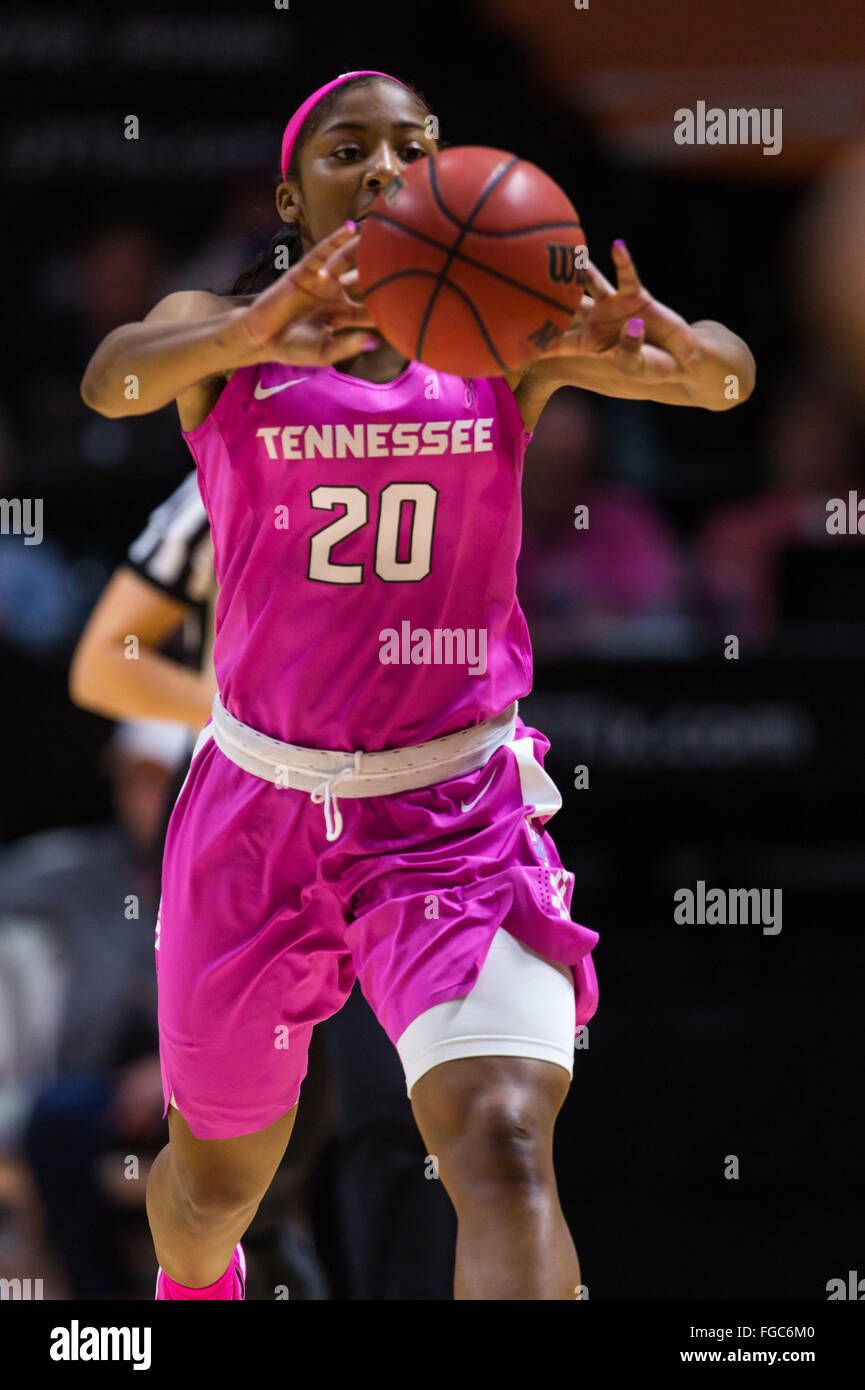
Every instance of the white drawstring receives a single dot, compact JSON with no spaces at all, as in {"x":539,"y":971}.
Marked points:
{"x":324,"y":793}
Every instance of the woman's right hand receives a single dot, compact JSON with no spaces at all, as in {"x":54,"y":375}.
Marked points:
{"x":308,"y":317}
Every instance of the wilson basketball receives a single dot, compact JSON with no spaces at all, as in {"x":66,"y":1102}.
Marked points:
{"x":468,"y":261}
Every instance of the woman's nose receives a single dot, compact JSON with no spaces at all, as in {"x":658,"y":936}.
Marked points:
{"x":384,"y":168}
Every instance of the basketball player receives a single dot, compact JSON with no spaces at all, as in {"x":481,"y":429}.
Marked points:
{"x":347,"y":811}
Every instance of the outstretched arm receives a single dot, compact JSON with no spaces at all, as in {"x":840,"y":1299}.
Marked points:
{"x":624,"y":342}
{"x":307,"y":316}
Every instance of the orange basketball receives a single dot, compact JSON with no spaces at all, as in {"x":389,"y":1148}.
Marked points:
{"x":468,"y":261}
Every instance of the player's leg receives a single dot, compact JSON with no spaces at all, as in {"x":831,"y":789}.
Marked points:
{"x":489,"y":1121}
{"x":249,"y":957}
{"x":485,"y":981}
{"x":203,"y":1193}
{"x":487,"y":1074}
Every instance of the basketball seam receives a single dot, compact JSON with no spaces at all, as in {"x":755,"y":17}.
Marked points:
{"x":481,"y":231}
{"x":473,"y":309}
{"x":470,"y":260}
{"x":521,"y":231}
{"x":457,"y":289}
{"x":492,"y":184}
{"x":376,"y":216}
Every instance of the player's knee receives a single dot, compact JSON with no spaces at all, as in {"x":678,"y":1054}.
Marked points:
{"x":211,"y":1197}
{"x":504,"y":1145}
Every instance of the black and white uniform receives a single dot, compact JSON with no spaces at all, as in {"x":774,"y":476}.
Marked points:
{"x":175,"y":553}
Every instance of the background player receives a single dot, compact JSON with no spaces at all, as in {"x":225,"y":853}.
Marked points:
{"x":165,"y":589}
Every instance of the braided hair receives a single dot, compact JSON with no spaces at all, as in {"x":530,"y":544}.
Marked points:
{"x":269,"y":266}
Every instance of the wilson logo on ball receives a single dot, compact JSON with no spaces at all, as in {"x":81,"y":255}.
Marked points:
{"x":561,"y":265}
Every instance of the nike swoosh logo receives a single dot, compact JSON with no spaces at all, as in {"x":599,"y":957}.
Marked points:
{"x":467,"y":805}
{"x":261,"y":393}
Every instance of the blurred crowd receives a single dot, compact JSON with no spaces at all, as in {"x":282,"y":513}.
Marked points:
{"x":607,"y":573}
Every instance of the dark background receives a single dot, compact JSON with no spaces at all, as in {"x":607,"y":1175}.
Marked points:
{"x":709,"y":1041}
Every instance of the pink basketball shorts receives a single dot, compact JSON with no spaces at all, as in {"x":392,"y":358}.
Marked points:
{"x":264,"y":924}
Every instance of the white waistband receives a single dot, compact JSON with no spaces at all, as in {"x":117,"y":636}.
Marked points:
{"x":317,"y":770}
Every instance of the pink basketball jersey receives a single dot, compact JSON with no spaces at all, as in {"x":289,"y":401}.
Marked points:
{"x":365,"y":545}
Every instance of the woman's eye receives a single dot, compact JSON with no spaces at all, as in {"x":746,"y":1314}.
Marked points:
{"x":348,"y":154}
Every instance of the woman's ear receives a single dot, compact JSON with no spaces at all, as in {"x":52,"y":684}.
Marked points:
{"x":289,"y":203}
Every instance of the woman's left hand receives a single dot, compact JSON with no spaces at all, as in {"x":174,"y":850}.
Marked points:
{"x":628,"y":328}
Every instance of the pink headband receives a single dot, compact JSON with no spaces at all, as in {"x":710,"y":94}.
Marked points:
{"x":293,"y":128}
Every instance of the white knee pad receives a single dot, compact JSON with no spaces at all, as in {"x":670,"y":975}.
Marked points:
{"x":521,"y":1006}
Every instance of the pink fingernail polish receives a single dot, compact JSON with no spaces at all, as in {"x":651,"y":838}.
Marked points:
{"x":620,"y":244}
{"x":369,"y":344}
{"x":351,"y":225}
{"x":634,"y":328}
